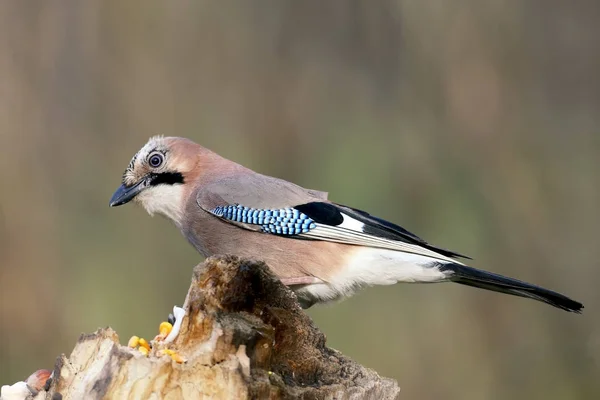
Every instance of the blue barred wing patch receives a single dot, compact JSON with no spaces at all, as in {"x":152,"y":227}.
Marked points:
{"x":283,"y":221}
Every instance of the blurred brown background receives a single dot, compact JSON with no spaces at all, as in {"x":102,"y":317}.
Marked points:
{"x":473,"y":123}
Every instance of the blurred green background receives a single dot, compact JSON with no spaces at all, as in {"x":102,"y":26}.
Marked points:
{"x":473,"y":123}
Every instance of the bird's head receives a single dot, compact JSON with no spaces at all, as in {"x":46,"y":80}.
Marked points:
{"x":156,"y":176}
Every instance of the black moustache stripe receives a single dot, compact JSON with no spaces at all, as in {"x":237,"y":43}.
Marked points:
{"x":166,"y":178}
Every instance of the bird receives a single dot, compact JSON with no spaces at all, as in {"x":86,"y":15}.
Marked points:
{"x":320,"y":249}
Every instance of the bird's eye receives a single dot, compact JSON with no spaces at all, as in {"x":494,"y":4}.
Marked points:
{"x":155,"y":160}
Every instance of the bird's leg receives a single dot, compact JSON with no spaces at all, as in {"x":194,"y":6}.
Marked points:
{"x":301,"y":280}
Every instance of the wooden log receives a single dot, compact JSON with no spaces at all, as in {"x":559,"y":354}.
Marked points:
{"x":243,"y":336}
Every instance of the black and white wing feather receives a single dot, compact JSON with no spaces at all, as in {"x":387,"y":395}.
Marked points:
{"x":343,"y":224}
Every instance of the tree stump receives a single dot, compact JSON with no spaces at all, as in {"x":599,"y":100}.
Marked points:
{"x":243,"y":336}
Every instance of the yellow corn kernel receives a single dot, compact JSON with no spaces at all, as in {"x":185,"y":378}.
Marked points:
{"x":173,"y":354}
{"x":164,"y":329}
{"x":134,"y":341}
{"x":143,"y":350}
{"x":164,"y":352}
{"x":177,"y":358}
{"x":144,"y":343}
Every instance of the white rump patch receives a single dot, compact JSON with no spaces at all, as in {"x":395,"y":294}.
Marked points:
{"x":372,"y":266}
{"x":386,"y":267}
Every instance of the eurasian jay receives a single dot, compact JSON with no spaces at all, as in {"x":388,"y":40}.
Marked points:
{"x":321,"y":249}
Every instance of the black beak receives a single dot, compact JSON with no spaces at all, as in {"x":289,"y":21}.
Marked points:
{"x":125,"y":194}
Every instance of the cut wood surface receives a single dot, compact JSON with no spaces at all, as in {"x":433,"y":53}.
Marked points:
{"x":243,"y":336}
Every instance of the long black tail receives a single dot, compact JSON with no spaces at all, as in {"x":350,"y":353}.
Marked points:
{"x":498,"y":283}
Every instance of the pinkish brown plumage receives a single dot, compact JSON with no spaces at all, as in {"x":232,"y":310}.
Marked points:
{"x":323,"y":250}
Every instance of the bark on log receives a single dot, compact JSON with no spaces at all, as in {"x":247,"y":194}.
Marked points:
{"x":243,"y":336}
